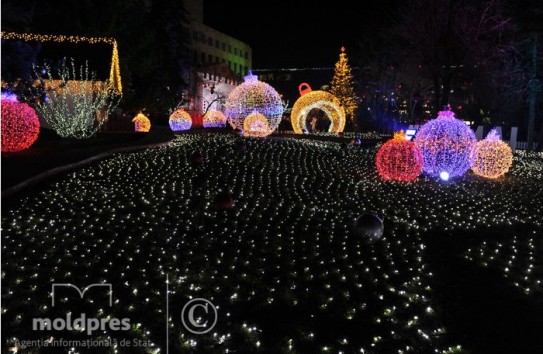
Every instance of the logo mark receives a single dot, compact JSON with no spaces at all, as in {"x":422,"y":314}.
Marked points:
{"x":197,"y":315}
{"x":81,"y":292}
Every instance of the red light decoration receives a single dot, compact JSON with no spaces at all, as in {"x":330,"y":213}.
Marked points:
{"x":20,"y":126}
{"x":399,"y":159}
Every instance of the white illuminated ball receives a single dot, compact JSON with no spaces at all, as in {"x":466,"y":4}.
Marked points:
{"x":444,"y":175}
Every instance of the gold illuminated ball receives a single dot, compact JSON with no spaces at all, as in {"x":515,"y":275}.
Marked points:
{"x":180,"y":120}
{"x":322,"y":100}
{"x":142,"y":124}
{"x":493,"y":157}
{"x":214,"y":119}
{"x":256,"y":125}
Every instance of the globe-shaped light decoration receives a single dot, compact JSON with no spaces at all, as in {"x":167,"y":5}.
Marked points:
{"x":180,"y":120}
{"x":20,"y":125}
{"x":399,"y":159}
{"x":252,"y":97}
{"x":142,"y":124}
{"x":493,"y":157}
{"x":322,"y":100}
{"x":447,"y":145}
{"x":369,"y":226}
{"x":214,"y":119}
{"x":256,"y":125}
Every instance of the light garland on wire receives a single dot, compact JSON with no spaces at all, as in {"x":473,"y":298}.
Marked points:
{"x":322,"y":100}
{"x":447,"y":145}
{"x":180,"y":120}
{"x":493,"y":157}
{"x":20,"y":126}
{"x":142,"y":124}
{"x":399,"y":159}
{"x":131,"y":219}
{"x":214,"y":119}
{"x":254,"y":96}
{"x":114,"y":81}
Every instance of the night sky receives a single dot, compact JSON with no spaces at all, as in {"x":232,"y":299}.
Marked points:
{"x":285,"y":34}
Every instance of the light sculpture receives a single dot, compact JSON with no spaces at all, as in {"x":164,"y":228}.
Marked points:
{"x":20,"y":126}
{"x":493,"y":157}
{"x":214,"y":119}
{"x":399,"y":159}
{"x":142,"y":124}
{"x":180,"y":120}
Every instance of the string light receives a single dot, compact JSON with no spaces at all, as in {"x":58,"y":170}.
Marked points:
{"x":214,"y":119}
{"x":254,"y":96}
{"x":20,"y":126}
{"x":142,"y":124}
{"x":180,"y":120}
{"x":322,"y":100}
{"x":114,"y":81}
{"x":447,"y":145}
{"x":256,"y":125}
{"x":493,"y":157}
{"x":399,"y":159}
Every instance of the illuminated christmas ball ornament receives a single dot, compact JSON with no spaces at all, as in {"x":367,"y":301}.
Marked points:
{"x":369,"y":226}
{"x":322,"y":100}
{"x":142,"y":124}
{"x":399,"y":159}
{"x":493,"y":157}
{"x":180,"y":120}
{"x":20,"y":125}
{"x":256,"y":125}
{"x":254,"y":97}
{"x":447,"y":145}
{"x":214,"y":119}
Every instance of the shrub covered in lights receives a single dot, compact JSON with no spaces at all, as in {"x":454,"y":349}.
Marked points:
{"x":447,"y":145}
{"x":20,"y":126}
{"x":76,"y":105}
{"x":493,"y":157}
{"x":214,"y":119}
{"x":251,"y":97}
{"x":399,"y":159}
{"x":180,"y":120}
{"x":142,"y":124}
{"x":322,"y":100}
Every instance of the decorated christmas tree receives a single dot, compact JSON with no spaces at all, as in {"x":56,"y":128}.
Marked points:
{"x":342,"y":85}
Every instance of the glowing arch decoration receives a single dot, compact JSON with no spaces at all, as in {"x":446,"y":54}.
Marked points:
{"x":399,"y":159}
{"x":256,"y":125}
{"x":20,"y":125}
{"x":180,"y":120}
{"x":447,"y":145}
{"x":493,"y":157}
{"x":252,"y":97}
{"x":142,"y":124}
{"x":322,"y":100}
{"x":214,"y":119}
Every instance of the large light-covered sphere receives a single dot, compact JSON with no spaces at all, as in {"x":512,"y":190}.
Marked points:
{"x":322,"y":100}
{"x":399,"y":159}
{"x":493,"y":157}
{"x":369,"y":226}
{"x":180,"y":120}
{"x":20,"y":125}
{"x":252,"y":97}
{"x":214,"y":119}
{"x":447,"y":145}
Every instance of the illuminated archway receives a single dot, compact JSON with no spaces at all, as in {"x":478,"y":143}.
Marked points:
{"x":322,"y":100}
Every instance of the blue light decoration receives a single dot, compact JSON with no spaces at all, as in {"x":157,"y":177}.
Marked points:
{"x":410,"y":134}
{"x":447,"y":145}
{"x":254,"y":96}
{"x":180,"y":120}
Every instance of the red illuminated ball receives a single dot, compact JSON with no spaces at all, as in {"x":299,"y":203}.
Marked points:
{"x":20,"y":126}
{"x":399,"y":160}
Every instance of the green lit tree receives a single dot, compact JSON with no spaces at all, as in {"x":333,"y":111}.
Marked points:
{"x":342,"y":86}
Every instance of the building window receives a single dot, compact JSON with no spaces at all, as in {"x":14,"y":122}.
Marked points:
{"x":210,"y":59}
{"x":246,"y":55}
{"x":216,"y":59}
{"x":216,"y":44}
{"x":236,"y":67}
{"x":230,"y":64}
{"x":236,"y":51}
{"x":202,"y":37}
{"x":203,"y":57}
{"x":246,"y":70}
{"x":223,"y":46}
{"x":209,"y":41}
{"x":229,"y":48}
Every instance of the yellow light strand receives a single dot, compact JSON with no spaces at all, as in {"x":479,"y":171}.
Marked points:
{"x":115,"y":71}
